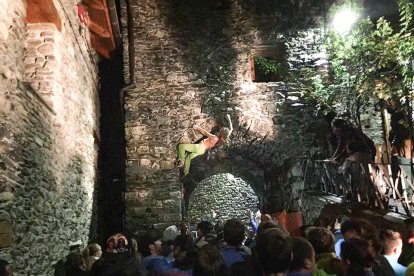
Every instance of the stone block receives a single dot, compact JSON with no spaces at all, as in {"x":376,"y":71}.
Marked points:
{"x":5,"y":227}
{"x":145,"y":162}
{"x":143,"y":149}
{"x":51,"y":64}
{"x":40,"y":60}
{"x":160,"y":150}
{"x":41,"y":27}
{"x":31,"y":66}
{"x":47,"y":34}
{"x":6,"y":240}
{"x":166,"y":165}
{"x":6,"y":196}
{"x":34,"y":43}
{"x":175,"y":195}
{"x":172,"y":203}
{"x":46,"y":49}
{"x":172,"y":218}
{"x":42,"y":69}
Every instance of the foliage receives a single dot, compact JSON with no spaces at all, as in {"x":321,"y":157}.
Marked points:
{"x":268,"y":69}
{"x":374,"y":61}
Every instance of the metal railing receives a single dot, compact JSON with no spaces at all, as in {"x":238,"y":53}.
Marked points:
{"x":385,"y":186}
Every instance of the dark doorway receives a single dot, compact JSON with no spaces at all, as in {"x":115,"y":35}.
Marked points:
{"x":111,"y":164}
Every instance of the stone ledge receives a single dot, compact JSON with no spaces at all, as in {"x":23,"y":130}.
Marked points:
{"x":39,"y":97}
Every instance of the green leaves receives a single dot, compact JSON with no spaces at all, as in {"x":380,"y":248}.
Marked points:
{"x":373,"y":62}
{"x":267,"y":69}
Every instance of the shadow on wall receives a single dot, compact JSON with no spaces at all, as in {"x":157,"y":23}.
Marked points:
{"x":203,"y":31}
{"x":45,"y":220}
{"x":48,"y":206}
{"x":284,"y":15}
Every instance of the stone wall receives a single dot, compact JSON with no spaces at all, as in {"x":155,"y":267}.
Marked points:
{"x":192,"y":66}
{"x":48,"y":132}
{"x":224,"y":195}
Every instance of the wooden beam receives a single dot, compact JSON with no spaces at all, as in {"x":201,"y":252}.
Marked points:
{"x":43,"y":11}
{"x":100,"y":26}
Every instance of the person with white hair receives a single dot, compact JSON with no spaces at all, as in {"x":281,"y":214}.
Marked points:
{"x":187,"y":152}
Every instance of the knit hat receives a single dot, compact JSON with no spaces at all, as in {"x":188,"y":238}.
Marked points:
{"x":117,"y":243}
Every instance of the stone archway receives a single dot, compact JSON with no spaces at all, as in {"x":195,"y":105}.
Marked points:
{"x":228,"y":196}
{"x":218,"y":162}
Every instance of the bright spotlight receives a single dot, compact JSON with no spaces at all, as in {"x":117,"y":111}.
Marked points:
{"x":343,"y":21}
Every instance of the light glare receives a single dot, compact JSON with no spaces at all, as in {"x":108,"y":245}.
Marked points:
{"x":343,"y":21}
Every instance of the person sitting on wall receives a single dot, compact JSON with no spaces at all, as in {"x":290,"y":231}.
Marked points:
{"x":401,"y":148}
{"x":187,"y":152}
{"x":346,"y":133}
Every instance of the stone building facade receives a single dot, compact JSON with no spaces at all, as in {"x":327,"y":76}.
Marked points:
{"x":191,"y":62}
{"x":49,"y":133}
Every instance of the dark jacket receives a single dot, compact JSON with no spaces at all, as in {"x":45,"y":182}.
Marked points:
{"x":116,"y":264}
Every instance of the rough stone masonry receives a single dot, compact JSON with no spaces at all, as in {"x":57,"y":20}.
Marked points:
{"x":192,"y":62}
{"x":48,"y":130}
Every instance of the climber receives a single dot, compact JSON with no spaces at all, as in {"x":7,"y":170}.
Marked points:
{"x":186,"y":152}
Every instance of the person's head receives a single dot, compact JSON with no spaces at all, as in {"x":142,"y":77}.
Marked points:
{"x":321,"y":239}
{"x":209,"y":262}
{"x":358,"y":228}
{"x":409,"y":230}
{"x":268,"y":225}
{"x":391,"y":242}
{"x":303,"y":256}
{"x":356,"y":254}
{"x":274,"y":250}
{"x":234,"y":232}
{"x":170,"y":233}
{"x":339,"y":123}
{"x":150,"y":244}
{"x":183,"y":243}
{"x":94,"y":249}
{"x":5,"y":268}
{"x":183,"y":228}
{"x":224,"y":133}
{"x":75,"y":261}
{"x":203,"y":228}
{"x":117,"y":243}
{"x":75,"y":247}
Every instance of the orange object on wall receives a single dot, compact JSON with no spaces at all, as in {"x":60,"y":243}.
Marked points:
{"x":291,"y":222}
{"x":99,"y":23}
{"x":43,"y":11}
{"x":294,"y":222}
{"x":281,"y":217}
